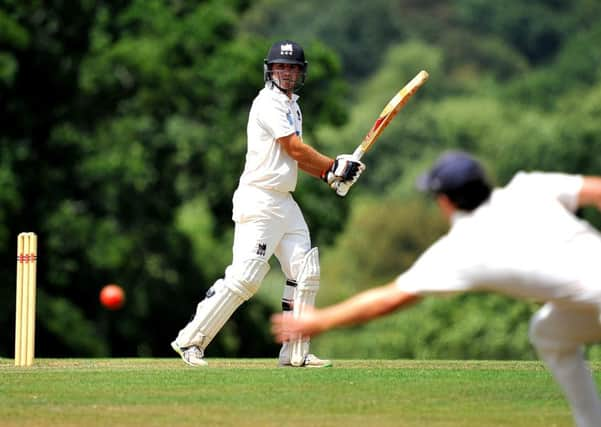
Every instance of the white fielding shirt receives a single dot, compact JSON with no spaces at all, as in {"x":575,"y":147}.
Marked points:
{"x":524,"y":242}
{"x":273,"y":115}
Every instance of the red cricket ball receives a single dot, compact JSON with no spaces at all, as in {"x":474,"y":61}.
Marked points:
{"x":112,"y":297}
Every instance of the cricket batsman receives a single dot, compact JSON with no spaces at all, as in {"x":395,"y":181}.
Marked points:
{"x":267,"y":219}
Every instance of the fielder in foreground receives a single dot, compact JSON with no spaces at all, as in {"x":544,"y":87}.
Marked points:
{"x":267,"y":219}
{"x":522,"y":240}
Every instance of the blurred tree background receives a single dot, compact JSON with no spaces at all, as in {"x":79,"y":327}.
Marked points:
{"x":123,"y":136}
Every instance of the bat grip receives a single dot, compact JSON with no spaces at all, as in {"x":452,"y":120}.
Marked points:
{"x":342,"y":188}
{"x":358,"y":153}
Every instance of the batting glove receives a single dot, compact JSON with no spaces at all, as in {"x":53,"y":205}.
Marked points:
{"x":343,"y":173}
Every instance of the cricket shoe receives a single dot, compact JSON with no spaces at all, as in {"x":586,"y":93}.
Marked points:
{"x":192,"y":355}
{"x":311,"y":361}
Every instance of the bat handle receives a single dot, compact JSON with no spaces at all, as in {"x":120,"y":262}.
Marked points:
{"x":358,"y":153}
{"x":342,"y":187}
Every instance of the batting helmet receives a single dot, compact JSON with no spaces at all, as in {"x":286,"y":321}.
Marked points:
{"x":285,"y":52}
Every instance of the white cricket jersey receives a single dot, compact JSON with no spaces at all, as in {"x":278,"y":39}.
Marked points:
{"x":524,"y":242}
{"x":272,"y":116}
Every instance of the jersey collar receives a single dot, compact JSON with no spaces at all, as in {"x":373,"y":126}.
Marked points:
{"x":278,"y":92}
{"x":457,"y":216}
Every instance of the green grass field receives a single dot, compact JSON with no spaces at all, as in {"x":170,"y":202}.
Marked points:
{"x":253,"y":392}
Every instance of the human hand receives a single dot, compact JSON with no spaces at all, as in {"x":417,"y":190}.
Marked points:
{"x":285,"y":327}
{"x":344,"y":172}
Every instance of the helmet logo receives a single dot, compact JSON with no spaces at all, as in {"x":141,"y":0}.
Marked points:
{"x":286,"y":49}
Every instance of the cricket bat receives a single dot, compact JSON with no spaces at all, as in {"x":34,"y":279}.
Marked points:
{"x":390,"y":110}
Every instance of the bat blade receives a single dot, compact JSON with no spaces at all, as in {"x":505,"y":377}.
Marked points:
{"x":389,"y":112}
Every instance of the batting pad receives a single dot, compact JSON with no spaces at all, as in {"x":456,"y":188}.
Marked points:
{"x":225,"y":296}
{"x":307,"y":287}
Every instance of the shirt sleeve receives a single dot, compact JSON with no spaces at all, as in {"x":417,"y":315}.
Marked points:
{"x":276,"y":118}
{"x":437,"y":271}
{"x":562,"y":187}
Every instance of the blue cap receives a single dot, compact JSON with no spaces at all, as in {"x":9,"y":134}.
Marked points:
{"x":451,"y":171}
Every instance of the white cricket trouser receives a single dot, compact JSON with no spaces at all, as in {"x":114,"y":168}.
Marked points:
{"x":559,"y":332}
{"x":275,"y":220}
{"x":268,"y":223}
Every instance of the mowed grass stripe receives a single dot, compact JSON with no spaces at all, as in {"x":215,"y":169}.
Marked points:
{"x":254,"y":392}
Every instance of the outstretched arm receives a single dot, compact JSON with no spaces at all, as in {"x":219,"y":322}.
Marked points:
{"x":361,"y":308}
{"x":590,"y":193}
